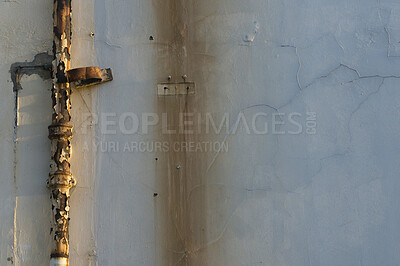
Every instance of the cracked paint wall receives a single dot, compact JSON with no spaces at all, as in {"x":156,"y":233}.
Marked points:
{"x":324,"y":199}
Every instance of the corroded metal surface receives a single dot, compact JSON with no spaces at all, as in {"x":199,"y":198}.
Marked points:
{"x":60,"y":179}
{"x":88,"y":76}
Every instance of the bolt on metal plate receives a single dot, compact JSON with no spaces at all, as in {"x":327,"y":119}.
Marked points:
{"x":172,"y":89}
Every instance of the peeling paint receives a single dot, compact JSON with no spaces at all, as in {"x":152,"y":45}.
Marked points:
{"x":329,"y":199}
{"x":60,"y":179}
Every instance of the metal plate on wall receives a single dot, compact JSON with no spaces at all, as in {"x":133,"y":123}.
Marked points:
{"x":170,"y":89}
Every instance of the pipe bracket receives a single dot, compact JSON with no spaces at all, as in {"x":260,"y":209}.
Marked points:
{"x":88,"y":76}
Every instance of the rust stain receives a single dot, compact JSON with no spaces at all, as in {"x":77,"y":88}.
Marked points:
{"x":87,"y":74}
{"x":181,"y":222}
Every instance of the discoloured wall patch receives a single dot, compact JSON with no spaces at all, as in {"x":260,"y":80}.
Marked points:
{"x":41,"y":65}
{"x":182,"y":226}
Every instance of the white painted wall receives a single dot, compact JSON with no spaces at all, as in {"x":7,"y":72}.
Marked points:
{"x":328,"y":198}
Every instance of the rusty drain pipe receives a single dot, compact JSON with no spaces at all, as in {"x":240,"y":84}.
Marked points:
{"x":60,"y":180}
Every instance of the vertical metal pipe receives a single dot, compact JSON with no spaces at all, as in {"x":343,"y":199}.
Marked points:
{"x":60,"y":179}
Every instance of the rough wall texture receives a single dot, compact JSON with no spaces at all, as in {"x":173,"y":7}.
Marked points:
{"x":328,"y":198}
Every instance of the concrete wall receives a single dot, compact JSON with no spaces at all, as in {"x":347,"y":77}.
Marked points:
{"x":307,"y":198}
